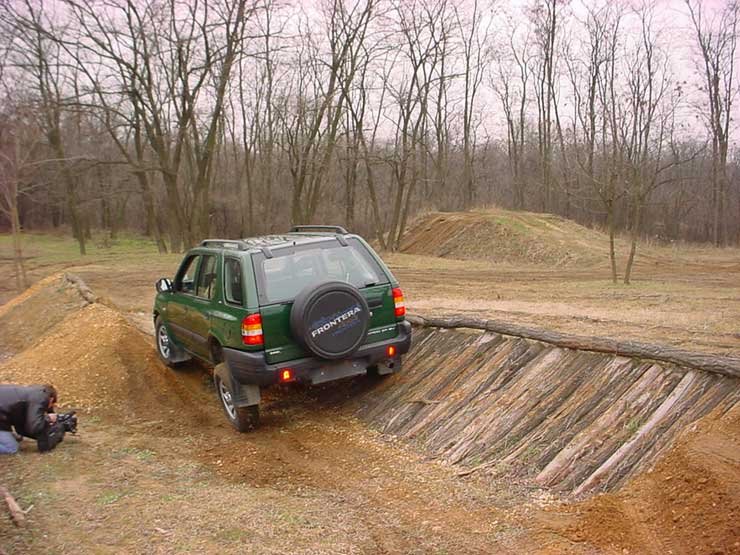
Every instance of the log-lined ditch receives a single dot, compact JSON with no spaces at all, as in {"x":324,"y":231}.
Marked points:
{"x":572,"y":420}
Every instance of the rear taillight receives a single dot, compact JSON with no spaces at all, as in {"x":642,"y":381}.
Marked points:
{"x":252,"y":330}
{"x":398,"y":301}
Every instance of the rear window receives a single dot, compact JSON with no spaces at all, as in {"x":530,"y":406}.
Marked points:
{"x":233,"y":281}
{"x":282,"y":277}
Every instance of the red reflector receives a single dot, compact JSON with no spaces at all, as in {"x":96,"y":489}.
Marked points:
{"x":391,"y":351}
{"x":286,"y":375}
{"x":399,"y":302}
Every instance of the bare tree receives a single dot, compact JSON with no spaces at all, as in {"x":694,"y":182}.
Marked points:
{"x":511,"y":84}
{"x":312,"y":131}
{"x":475,"y":34}
{"x":422,"y":30}
{"x":596,"y":114}
{"x":172,"y":67}
{"x":647,"y":126}
{"x":39,"y":59}
{"x":546,"y":23}
{"x":15,"y":157}
{"x":717,"y":41}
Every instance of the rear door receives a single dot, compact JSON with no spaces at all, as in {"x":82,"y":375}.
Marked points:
{"x":282,"y":277}
{"x":179,"y":305}
{"x":199,"y":317}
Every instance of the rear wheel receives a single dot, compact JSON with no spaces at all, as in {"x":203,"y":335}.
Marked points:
{"x":243,"y":419}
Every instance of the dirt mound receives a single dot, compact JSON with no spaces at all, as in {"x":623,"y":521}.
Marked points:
{"x":39,"y":308}
{"x":98,"y":360}
{"x":688,"y":503}
{"x":502,"y":236}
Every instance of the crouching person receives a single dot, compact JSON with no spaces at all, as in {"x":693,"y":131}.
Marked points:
{"x":30,"y":411}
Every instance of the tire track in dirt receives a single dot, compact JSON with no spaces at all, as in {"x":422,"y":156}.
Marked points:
{"x":411,"y":505}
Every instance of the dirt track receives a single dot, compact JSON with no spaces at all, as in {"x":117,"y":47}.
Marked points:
{"x":170,"y":476}
{"x":156,"y":459}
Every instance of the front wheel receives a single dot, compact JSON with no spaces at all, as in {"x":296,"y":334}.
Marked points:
{"x":168,"y":352}
{"x":243,"y":419}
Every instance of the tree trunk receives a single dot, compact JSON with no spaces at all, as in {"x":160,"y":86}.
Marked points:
{"x":612,"y":253}
{"x":21,"y":280}
{"x":637,"y":219}
{"x":153,"y":223}
{"x":726,"y":366}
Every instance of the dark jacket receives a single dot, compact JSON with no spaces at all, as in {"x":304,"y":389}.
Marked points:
{"x":24,"y":408}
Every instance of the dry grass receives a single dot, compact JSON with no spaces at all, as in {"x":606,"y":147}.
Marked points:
{"x":691,"y":301}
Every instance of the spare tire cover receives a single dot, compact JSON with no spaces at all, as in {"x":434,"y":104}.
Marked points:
{"x":330,"y":319}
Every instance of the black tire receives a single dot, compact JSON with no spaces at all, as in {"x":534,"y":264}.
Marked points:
{"x":330,"y":319}
{"x":168,"y":352}
{"x":244,"y":419}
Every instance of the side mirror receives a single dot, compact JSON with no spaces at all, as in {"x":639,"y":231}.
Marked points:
{"x":164,"y":285}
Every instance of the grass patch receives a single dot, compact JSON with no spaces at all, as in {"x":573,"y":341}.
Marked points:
{"x":513,"y":224}
{"x":109,"y":498}
{"x":232,"y":535}
{"x":138,"y":454}
{"x":49,"y":248}
{"x":632,"y":426}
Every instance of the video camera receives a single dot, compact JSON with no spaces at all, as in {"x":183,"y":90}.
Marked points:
{"x":68,"y":420}
{"x":54,"y":433}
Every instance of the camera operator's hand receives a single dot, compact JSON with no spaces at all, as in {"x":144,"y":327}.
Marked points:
{"x":52,"y":417}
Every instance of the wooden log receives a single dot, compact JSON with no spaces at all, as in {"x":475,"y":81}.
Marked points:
{"x":82,"y":288}
{"x":511,"y":406}
{"x":726,"y":366}
{"x":630,"y":445}
{"x":708,"y":392}
{"x":16,"y":513}
{"x":598,"y":386}
{"x":597,"y":442}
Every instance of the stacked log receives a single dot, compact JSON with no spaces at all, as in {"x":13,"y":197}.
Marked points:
{"x":568,"y":419}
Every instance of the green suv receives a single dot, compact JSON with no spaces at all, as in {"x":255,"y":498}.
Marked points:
{"x":313,"y":305}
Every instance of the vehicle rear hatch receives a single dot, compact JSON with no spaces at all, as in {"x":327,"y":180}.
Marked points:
{"x":281,"y":276}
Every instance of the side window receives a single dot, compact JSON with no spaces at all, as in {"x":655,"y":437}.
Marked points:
{"x":207,"y":278}
{"x":233,"y":281}
{"x":185,"y":280}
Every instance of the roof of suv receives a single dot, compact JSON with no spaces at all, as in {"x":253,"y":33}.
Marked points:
{"x":262,"y":242}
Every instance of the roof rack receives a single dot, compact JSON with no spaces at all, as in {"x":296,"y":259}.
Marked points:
{"x":225,"y":243}
{"x":329,"y":228}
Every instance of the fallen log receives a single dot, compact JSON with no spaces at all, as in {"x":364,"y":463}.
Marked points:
{"x":85,"y":292}
{"x":16,"y":513}
{"x":725,"y":366}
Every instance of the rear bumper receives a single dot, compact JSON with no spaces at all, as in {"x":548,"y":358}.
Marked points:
{"x":252,"y":369}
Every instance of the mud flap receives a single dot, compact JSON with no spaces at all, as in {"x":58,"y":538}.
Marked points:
{"x":242,"y":395}
{"x":177,"y":353}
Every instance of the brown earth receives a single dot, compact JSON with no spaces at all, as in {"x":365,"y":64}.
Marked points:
{"x":156,"y":469}
{"x":502,"y":236}
{"x":148,"y":433}
{"x":688,"y":503}
{"x":50,"y":300}
{"x":162,"y":472}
